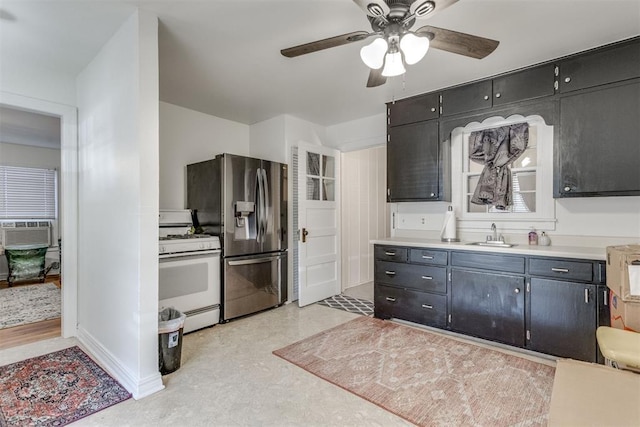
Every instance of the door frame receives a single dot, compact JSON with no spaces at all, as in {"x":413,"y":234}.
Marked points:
{"x":68,"y":207}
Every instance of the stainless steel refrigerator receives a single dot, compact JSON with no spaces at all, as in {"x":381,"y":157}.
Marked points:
{"x":244,"y":201}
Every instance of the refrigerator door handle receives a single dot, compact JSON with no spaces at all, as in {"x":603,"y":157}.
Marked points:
{"x":258,"y":206}
{"x":265,"y":193}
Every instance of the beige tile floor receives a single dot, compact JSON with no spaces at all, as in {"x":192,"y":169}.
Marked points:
{"x":228,"y":377}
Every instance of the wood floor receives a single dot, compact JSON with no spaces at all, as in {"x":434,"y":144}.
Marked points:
{"x":25,"y":334}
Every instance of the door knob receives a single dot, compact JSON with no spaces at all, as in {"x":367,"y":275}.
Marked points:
{"x":305,"y":233}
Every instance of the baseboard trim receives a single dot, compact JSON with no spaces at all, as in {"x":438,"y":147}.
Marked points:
{"x":138,"y":387}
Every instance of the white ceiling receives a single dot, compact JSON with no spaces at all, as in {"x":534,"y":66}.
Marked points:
{"x":223,"y":57}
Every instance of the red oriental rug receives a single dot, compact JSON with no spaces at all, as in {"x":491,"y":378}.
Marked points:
{"x":55,"y":389}
{"x":427,"y":378}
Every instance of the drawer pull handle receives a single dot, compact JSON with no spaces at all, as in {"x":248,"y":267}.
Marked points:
{"x":430,"y":307}
{"x":390,"y":273}
{"x":390,"y":253}
{"x":606,"y":302}
{"x":427,"y":257}
{"x":390,"y":299}
{"x":560,"y":270}
{"x":586,"y":296}
{"x":427,"y":277}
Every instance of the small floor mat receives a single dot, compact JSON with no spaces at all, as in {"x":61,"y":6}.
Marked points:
{"x":55,"y":389}
{"x":350,"y":304}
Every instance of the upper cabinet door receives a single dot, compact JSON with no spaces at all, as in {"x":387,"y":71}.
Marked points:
{"x":601,"y":67}
{"x":524,"y":85}
{"x":471,"y":97}
{"x":412,"y":110}
{"x":413,"y":167}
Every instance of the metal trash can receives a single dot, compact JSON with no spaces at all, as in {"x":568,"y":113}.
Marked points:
{"x":170,"y":327}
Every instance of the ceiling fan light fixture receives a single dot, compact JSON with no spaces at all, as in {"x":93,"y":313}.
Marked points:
{"x":375,"y":9}
{"x":393,"y":65}
{"x":414,"y":47}
{"x":373,"y":54}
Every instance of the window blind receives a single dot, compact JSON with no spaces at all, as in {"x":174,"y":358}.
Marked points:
{"x":28,"y":193}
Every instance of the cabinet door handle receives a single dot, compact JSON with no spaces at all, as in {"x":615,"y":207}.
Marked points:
{"x":390,"y":253}
{"x":560,"y":270}
{"x":390,"y":299}
{"x":433,"y":110}
{"x":516,"y":290}
{"x":567,"y":189}
{"x":427,"y":277}
{"x":486,"y":97}
{"x":586,"y":296}
{"x":567,"y":79}
{"x":427,"y":257}
{"x":498,"y":95}
{"x":606,"y":300}
{"x":430,"y":307}
{"x":390,"y":273}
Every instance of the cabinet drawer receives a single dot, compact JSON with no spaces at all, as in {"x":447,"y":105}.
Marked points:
{"x":420,"y":277}
{"x":414,"y":306}
{"x":390,"y":253}
{"x":572,"y":270}
{"x":428,"y":256}
{"x":502,"y":263}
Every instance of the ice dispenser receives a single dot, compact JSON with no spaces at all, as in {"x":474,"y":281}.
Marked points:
{"x":242,"y":212}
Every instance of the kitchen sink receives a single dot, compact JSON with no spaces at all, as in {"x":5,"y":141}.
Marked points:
{"x":493,"y":244}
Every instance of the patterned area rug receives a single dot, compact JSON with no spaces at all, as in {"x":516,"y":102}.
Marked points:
{"x":21,"y":305}
{"x":426,"y":378}
{"x":350,"y":304}
{"x":55,"y":389}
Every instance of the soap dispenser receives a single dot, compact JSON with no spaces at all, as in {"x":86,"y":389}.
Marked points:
{"x":544,"y":240}
{"x":533,"y":237}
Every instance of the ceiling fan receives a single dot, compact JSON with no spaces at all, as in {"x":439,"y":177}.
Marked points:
{"x":396,"y":44}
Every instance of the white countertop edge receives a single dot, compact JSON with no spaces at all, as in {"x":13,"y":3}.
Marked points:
{"x":589,"y":253}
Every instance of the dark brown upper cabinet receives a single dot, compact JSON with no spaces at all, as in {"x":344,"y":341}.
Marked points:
{"x":471,"y":97}
{"x":523,"y":85}
{"x":613,"y":64}
{"x":412,"y":110}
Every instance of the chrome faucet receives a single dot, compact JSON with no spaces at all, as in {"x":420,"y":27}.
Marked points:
{"x":494,"y":231}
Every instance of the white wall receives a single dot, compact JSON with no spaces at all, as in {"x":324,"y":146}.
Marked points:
{"x":364,"y":213}
{"x":118,"y":205}
{"x":268,"y":140}
{"x":358,"y":134}
{"x":188,"y":136}
{"x":37,"y":82}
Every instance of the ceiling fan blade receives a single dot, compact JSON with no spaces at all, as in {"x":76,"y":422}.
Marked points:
{"x":376,"y":78}
{"x":373,"y":8}
{"x":460,"y":43}
{"x":324,"y":44}
{"x":420,"y":5}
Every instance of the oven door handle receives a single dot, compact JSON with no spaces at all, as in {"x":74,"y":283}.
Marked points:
{"x":186,"y":254}
{"x":254,"y":260}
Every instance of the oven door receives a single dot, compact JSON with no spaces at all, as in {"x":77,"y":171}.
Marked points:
{"x":253,"y":283}
{"x":191,"y":284}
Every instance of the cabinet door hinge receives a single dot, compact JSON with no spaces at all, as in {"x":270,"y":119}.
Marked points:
{"x":556,"y":71}
{"x":555,"y":85}
{"x":528,"y":335}
{"x":388,"y":138}
{"x":528,"y":286}
{"x":449,"y":277}
{"x":449,"y":319}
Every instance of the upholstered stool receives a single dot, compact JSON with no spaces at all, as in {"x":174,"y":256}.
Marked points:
{"x":620,"y":348}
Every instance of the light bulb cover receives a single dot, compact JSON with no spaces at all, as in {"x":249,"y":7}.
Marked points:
{"x":393,"y":65}
{"x":414,"y":47}
{"x":373,"y":54}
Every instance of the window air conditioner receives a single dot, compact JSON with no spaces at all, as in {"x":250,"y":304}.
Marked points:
{"x":25,"y":233}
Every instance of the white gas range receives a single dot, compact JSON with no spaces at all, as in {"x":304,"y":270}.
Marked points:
{"x":189,"y":276}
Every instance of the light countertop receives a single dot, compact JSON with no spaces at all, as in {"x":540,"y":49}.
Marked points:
{"x":578,"y":252}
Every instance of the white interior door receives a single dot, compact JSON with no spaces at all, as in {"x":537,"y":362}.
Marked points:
{"x":318,"y":221}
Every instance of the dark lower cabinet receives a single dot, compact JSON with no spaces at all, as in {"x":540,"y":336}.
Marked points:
{"x":549,"y":305}
{"x":488,"y":305}
{"x":564,"y":317}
